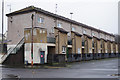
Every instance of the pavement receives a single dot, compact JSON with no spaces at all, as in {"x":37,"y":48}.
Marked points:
{"x":104,"y":68}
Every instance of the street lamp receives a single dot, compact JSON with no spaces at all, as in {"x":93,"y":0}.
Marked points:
{"x":32,"y":41}
{"x":71,"y":22}
{"x":71,"y":15}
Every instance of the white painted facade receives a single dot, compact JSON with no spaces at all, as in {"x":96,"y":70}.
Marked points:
{"x":37,"y":47}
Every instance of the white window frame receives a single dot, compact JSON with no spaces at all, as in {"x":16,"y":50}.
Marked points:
{"x":79,"y":50}
{"x":59,"y":25}
{"x":84,"y":31}
{"x":93,"y":34}
{"x":73,"y":28}
{"x":40,"y":19}
{"x":90,"y":50}
{"x":40,"y":31}
{"x":52,"y":30}
{"x":68,"y":34}
{"x":34,"y":32}
{"x":63,"y":49}
{"x":43,"y":31}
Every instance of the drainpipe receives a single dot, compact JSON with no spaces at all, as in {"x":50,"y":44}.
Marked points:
{"x":58,"y":42}
{"x":32,"y":41}
{"x":75,"y":43}
{"x":2,"y":23}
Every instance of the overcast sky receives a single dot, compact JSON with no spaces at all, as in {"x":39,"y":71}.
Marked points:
{"x":101,"y":14}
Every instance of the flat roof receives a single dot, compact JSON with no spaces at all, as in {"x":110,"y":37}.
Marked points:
{"x":32,"y":9}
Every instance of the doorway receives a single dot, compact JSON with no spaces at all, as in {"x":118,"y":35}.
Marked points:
{"x":42,"y":57}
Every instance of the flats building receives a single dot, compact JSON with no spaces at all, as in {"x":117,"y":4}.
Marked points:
{"x":55,"y":34}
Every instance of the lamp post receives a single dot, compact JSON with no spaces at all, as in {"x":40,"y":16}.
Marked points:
{"x":2,"y":22}
{"x":32,"y":41}
{"x":71,"y":14}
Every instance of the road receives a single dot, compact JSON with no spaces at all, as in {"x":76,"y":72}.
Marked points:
{"x":104,"y":68}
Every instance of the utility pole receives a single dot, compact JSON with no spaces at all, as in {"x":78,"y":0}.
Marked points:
{"x":32,"y":41}
{"x":2,"y":23}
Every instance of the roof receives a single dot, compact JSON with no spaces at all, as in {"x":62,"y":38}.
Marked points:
{"x":78,"y":34}
{"x":32,"y":9}
{"x":88,"y":36}
{"x":61,"y":30}
{"x":104,"y":39}
{"x":96,"y":37}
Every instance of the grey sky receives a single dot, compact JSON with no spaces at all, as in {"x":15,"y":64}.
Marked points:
{"x":101,"y":14}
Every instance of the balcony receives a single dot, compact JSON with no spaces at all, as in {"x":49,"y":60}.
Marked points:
{"x":51,"y":40}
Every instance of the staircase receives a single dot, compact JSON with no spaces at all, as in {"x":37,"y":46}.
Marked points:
{"x":12,"y":50}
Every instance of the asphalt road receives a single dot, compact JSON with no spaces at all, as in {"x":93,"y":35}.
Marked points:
{"x":104,"y":68}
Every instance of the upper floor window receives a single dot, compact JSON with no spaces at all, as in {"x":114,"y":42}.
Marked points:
{"x":59,"y":25}
{"x":73,"y":28}
{"x":63,"y":49}
{"x":106,"y":37}
{"x":93,"y":34}
{"x":84,"y":31}
{"x":52,"y":30}
{"x":40,"y":19}
{"x":79,"y":50}
{"x":68,"y":34}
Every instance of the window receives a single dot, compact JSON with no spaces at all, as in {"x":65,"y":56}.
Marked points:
{"x":59,"y":25}
{"x":43,"y":31}
{"x":106,"y":51}
{"x":79,"y":50}
{"x":90,"y":50}
{"x":40,"y":19}
{"x":93,"y":34}
{"x":73,"y":28}
{"x":111,"y":51}
{"x":34,"y":32}
{"x":84,"y":31}
{"x":52,"y":30}
{"x":40,"y":31}
{"x":63,"y":49}
{"x":68,"y":34}
{"x":99,"y":51}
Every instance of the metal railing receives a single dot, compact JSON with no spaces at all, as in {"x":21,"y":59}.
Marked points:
{"x":50,"y":40}
{"x":18,"y":46}
{"x":13,"y":50}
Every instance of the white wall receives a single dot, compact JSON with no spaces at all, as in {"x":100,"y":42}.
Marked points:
{"x":36,"y":52}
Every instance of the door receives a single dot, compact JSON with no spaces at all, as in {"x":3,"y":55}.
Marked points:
{"x":42,"y":54}
{"x":82,"y":50}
